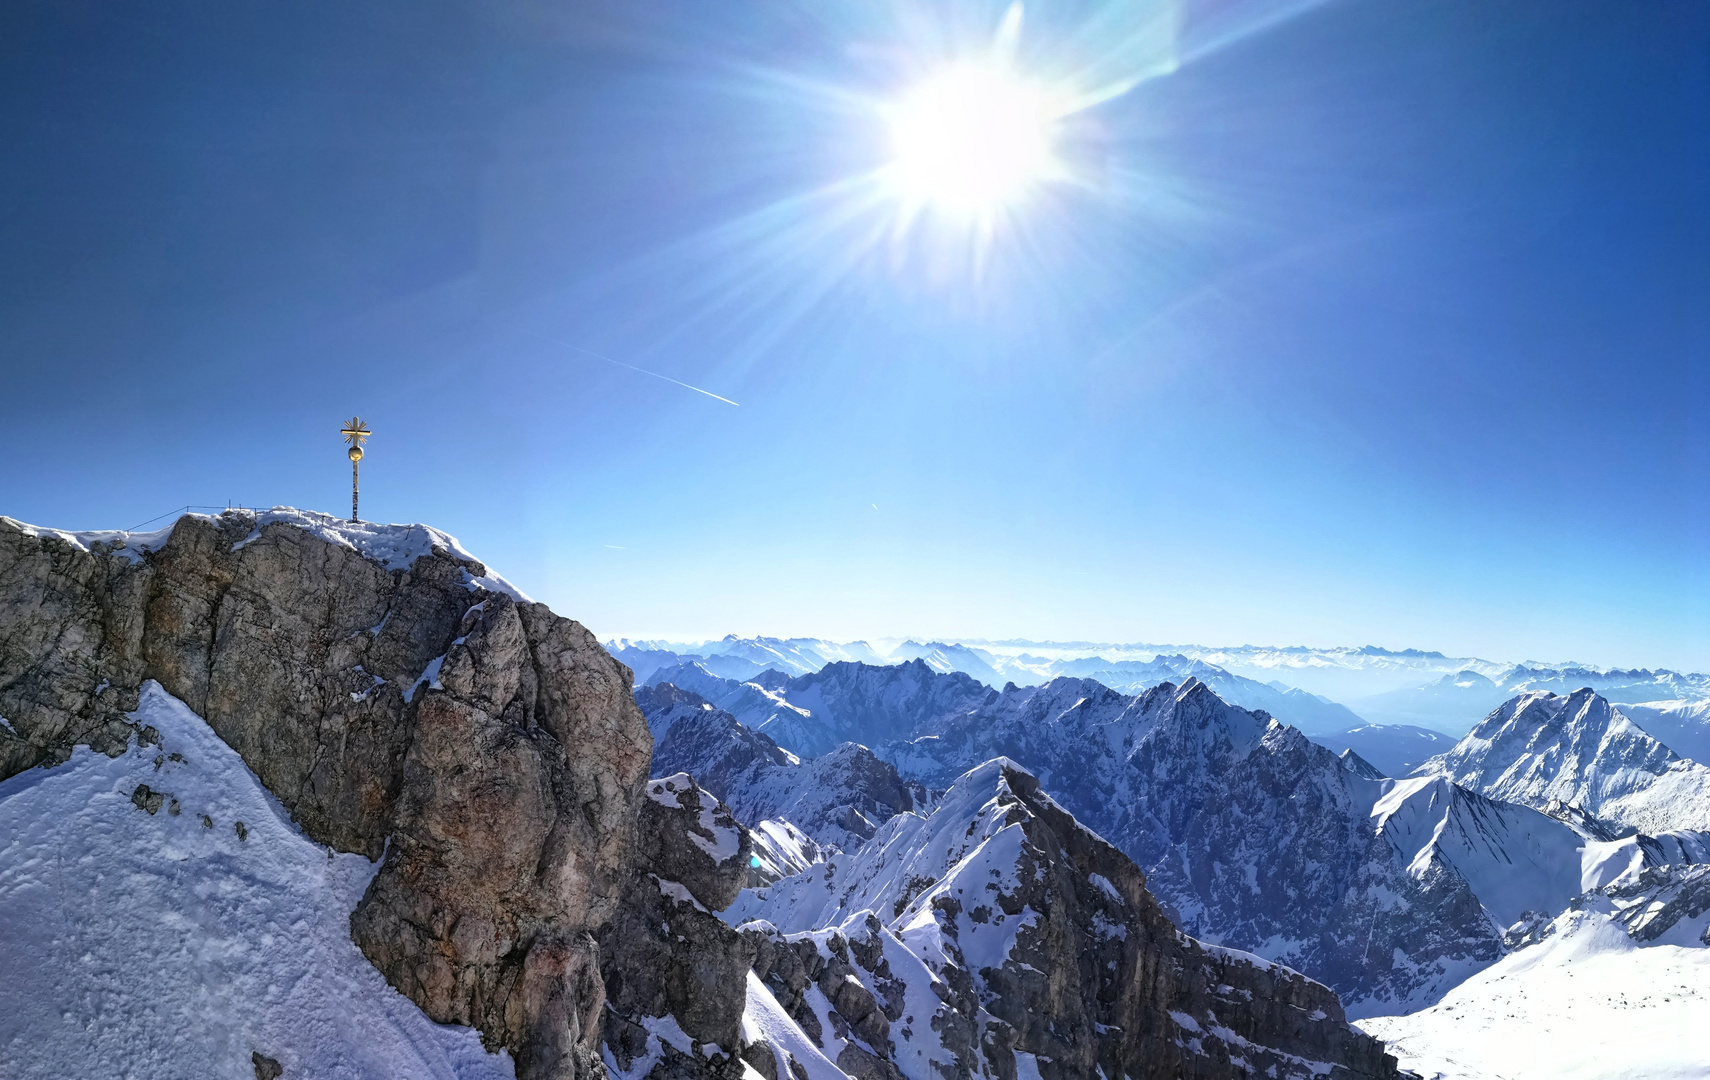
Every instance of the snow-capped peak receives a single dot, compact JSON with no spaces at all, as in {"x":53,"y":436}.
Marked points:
{"x":1579,"y":749}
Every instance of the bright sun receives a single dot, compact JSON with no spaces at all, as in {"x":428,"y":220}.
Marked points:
{"x":971,"y":140}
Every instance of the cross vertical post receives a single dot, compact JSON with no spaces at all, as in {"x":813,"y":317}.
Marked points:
{"x":355,"y":433}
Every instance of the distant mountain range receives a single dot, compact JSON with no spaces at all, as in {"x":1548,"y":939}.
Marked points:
{"x":1321,"y":691}
{"x":1343,"y":673}
{"x":1390,"y":890}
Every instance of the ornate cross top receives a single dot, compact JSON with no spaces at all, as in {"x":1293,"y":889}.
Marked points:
{"x":355,"y":433}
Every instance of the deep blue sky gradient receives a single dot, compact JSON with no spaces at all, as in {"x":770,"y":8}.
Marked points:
{"x":1385,"y":323}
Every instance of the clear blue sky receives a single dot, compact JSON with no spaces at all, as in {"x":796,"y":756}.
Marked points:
{"x":1382,"y":323}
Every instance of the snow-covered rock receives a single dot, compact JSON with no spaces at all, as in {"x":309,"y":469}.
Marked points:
{"x":838,"y":799}
{"x":163,"y":916}
{"x":842,"y":702}
{"x":1391,"y":891}
{"x":1255,"y":837}
{"x":755,"y":705}
{"x":666,"y":704}
{"x":997,"y":936}
{"x":1581,"y":750}
{"x":1514,"y":860}
{"x":781,"y":850}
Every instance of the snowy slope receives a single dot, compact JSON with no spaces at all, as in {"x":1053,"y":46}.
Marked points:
{"x":782,"y":850}
{"x":1580,"y":750}
{"x":1682,"y":725}
{"x":965,"y":835}
{"x":765,"y":1021}
{"x":169,"y":944}
{"x":1587,"y":1003}
{"x":1513,"y":859}
{"x":1257,"y":838}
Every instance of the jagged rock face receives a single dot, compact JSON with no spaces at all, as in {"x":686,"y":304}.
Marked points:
{"x":998,"y":936}
{"x":676,"y":973}
{"x":514,"y":827}
{"x":758,"y":703}
{"x":838,"y":799}
{"x":1659,"y":899}
{"x":1251,"y":835}
{"x":868,"y":704}
{"x":814,"y":713}
{"x":493,"y":743}
{"x":1652,"y":904}
{"x":691,"y":734}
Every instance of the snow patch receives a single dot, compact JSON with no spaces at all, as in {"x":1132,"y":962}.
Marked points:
{"x":429,"y":676}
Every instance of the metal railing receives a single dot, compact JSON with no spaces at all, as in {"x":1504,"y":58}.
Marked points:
{"x":193,"y":506}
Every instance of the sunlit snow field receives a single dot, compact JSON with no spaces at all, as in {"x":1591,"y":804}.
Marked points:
{"x":1586,"y":1004}
{"x":164,"y":945}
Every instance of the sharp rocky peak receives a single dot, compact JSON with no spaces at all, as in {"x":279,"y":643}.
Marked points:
{"x":937,"y":949}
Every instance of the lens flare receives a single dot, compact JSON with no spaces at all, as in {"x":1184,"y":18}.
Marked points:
{"x":971,"y":140}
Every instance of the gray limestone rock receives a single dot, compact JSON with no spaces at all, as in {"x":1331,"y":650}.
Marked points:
{"x":493,"y":745}
{"x":670,"y":962}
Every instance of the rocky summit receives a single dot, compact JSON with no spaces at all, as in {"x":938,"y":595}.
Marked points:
{"x":397,"y":699}
{"x":529,"y":880}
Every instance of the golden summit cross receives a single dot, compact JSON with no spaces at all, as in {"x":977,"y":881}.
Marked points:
{"x":355,"y":433}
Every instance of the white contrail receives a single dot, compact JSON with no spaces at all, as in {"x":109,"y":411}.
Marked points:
{"x":632,"y":367}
